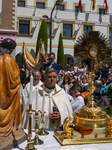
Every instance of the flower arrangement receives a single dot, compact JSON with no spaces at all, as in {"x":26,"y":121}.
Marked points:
{"x":86,"y":95}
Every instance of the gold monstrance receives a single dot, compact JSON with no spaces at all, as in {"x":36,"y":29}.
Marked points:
{"x":94,"y":47}
{"x":91,"y":115}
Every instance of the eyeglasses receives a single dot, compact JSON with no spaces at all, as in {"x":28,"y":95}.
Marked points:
{"x":50,"y":59}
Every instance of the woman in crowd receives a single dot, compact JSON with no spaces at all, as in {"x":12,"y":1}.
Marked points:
{"x":84,"y":84}
{"x":72,"y":79}
{"x":66,"y":85}
{"x":60,"y":80}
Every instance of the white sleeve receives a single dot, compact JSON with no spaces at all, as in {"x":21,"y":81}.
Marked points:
{"x":70,"y":98}
{"x":77,"y":104}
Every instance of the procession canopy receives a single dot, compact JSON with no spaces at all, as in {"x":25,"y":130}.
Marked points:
{"x":10,"y":110}
{"x":30,"y":62}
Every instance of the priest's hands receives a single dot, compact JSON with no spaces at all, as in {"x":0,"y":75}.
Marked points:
{"x":54,"y":116}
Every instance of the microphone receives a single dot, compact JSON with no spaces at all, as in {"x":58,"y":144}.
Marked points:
{"x":54,"y":109}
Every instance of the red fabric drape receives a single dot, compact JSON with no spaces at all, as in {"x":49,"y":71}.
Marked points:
{"x":80,"y":4}
{"x":106,"y":6}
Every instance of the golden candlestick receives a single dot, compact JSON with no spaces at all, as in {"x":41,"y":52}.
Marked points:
{"x":37,"y":141}
{"x":30,"y":142}
{"x":42,"y":131}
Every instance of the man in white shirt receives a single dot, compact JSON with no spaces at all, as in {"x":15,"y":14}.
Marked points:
{"x":78,"y":101}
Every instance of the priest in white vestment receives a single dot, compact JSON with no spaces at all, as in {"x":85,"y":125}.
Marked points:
{"x":55,"y":97}
{"x":26,"y":94}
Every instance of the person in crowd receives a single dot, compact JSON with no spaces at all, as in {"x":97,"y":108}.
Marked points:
{"x":71,"y":70}
{"x":51,"y":63}
{"x":78,"y":101}
{"x":25,"y":96}
{"x":80,"y":70}
{"x":63,"y":73}
{"x":96,"y":93}
{"x":66,"y":85}
{"x":60,"y":80}
{"x":109,"y":80}
{"x":105,"y":88}
{"x":72,"y":79}
{"x":23,"y":78}
{"x":84,"y":84}
{"x":104,"y":101}
{"x":67,"y":67}
{"x":26,"y":71}
{"x":55,"y":97}
{"x":103,"y":82}
{"x":75,"y":68}
{"x":97,"y":75}
{"x":105,"y":71}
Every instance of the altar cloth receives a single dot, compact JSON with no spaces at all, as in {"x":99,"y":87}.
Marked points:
{"x":50,"y":143}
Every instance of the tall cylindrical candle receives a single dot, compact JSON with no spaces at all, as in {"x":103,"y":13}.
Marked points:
{"x":37,"y":99}
{"x":43,"y":101}
{"x":31,"y":87}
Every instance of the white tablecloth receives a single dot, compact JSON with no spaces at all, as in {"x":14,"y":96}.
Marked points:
{"x":50,"y":143}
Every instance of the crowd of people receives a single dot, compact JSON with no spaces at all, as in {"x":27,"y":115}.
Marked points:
{"x":63,"y":88}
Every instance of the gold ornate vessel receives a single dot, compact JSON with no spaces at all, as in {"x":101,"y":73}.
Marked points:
{"x":91,"y":115}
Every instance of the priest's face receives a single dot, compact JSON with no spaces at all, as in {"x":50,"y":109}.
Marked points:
{"x":50,"y":79}
{"x":36,"y":77}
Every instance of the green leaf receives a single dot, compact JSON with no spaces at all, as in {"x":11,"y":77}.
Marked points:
{"x":86,"y":99}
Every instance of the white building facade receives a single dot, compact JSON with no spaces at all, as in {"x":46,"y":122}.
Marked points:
{"x":67,"y":19}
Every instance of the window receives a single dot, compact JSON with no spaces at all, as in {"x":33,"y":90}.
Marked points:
{"x":24,"y":27}
{"x":40,"y":5}
{"x":48,"y":27}
{"x":67,"y":30}
{"x":110,"y":36}
{"x":102,"y":11}
{"x":78,"y":10}
{"x":87,"y":28}
{"x":60,"y":7}
{"x":21,"y":3}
